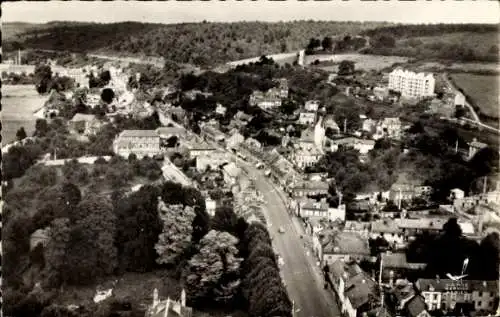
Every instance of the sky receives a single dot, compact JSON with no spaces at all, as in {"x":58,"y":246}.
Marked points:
{"x":420,"y":11}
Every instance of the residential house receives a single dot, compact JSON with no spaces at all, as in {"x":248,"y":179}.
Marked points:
{"x":356,"y":291}
{"x":169,"y":307}
{"x":283,"y":87}
{"x":396,"y":266}
{"x":211,"y":205}
{"x":369,"y":125}
{"x":390,"y":128}
{"x":235,"y":139}
{"x":360,"y":228}
{"x":309,"y":188}
{"x":387,"y":229}
{"x":329,"y":122}
{"x":140,"y":142}
{"x":242,"y":117}
{"x":312,"y":105}
{"x":231,"y":173}
{"x":220,"y":109}
{"x":266,"y":100}
{"x":474,"y":147}
{"x":40,"y":236}
{"x":459,"y":100}
{"x":306,"y":157}
{"x":253,"y":143}
{"x":335,"y":245}
{"x":311,"y":209}
{"x":407,"y":303}
{"x":457,"y":193}
{"x":410,"y":84}
{"x":307,"y":117}
{"x":213,"y":159}
{"x":85,"y":124}
{"x":362,"y":145}
{"x":414,"y":227}
{"x":447,"y":294}
{"x":402,"y":192}
{"x":197,"y":149}
{"x":211,"y":133}
{"x":380,"y":93}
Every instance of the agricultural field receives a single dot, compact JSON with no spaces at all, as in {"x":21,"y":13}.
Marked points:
{"x":364,"y":62}
{"x":483,"y":89}
{"x":18,"y":106}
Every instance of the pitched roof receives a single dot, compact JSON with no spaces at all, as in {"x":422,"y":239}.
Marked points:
{"x":170,"y":130}
{"x":399,"y":261}
{"x":232,"y":170}
{"x":83,"y":117}
{"x":344,"y":243}
{"x":360,"y":290}
{"x":416,"y":306}
{"x":139,"y":133}
{"x":311,"y":204}
{"x":385,"y":226}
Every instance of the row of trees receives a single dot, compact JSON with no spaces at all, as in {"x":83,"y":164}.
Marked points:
{"x":46,"y":82}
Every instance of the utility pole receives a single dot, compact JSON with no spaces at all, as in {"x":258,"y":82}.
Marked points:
{"x":345,"y":126}
{"x":456,"y":147}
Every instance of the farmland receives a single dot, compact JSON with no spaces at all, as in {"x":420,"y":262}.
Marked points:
{"x":365,"y":62}
{"x":18,"y":105}
{"x":482,"y":89}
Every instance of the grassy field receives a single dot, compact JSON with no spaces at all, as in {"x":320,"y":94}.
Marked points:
{"x":364,"y":62}
{"x":18,"y":105}
{"x":483,"y":89}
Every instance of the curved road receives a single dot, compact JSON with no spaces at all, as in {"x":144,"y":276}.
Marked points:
{"x":303,"y":278}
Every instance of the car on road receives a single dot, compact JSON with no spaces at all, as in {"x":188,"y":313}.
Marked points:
{"x":281,"y":230}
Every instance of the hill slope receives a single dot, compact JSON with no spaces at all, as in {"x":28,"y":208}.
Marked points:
{"x":212,"y":43}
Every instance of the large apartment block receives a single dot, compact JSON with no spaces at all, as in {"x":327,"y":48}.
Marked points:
{"x":410,"y":84}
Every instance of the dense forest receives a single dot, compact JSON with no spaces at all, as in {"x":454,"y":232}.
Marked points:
{"x":212,"y":43}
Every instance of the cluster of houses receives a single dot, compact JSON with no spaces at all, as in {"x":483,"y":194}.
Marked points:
{"x":272,"y":98}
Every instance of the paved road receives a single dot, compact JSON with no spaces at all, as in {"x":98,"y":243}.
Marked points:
{"x":303,"y":278}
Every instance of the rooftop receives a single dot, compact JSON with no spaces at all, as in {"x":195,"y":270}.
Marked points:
{"x":83,"y":117}
{"x":170,"y":130}
{"x":139,"y":133}
{"x":385,"y":226}
{"x":398,"y":261}
{"x":444,"y":285}
{"x":344,"y":243}
{"x":311,"y":185}
{"x":312,"y":204}
{"x":232,"y":170}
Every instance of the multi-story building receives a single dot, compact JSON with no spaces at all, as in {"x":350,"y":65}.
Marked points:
{"x":362,"y":145}
{"x":266,"y":100}
{"x":312,"y":209}
{"x":283,"y":87}
{"x":356,"y":291}
{"x":459,"y":100}
{"x":231,"y":173}
{"x":396,"y":266}
{"x":309,"y":188}
{"x":335,"y":245}
{"x":390,"y":128}
{"x":209,"y":132}
{"x":199,"y":149}
{"x":140,"y":142}
{"x":411,"y":84}
{"x":306,"y":157}
{"x":446,"y":294}
{"x":387,"y":229}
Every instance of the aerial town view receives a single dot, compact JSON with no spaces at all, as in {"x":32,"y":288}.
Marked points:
{"x":250,"y":159}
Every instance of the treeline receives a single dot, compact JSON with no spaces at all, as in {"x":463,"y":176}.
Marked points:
{"x":445,"y":253}
{"x":195,"y":43}
{"x":223,"y":262}
{"x":414,"y":30}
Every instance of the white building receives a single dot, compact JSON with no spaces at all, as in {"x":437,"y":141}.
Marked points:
{"x":306,"y":157}
{"x":362,"y":145}
{"x":459,"y":100}
{"x":220,"y":109}
{"x":214,"y":160}
{"x":231,"y":173}
{"x":319,"y":134}
{"x":312,"y":105}
{"x":411,"y":84}
{"x":307,"y":117}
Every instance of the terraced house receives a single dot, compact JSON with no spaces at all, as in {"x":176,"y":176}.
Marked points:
{"x":139,"y":142}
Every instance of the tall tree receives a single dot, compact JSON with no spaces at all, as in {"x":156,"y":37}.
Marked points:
{"x":327,"y":43}
{"x":21,"y":134}
{"x":213,"y":273}
{"x":175,"y":238}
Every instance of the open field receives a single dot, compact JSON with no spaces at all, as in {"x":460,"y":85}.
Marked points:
{"x":365,"y":62}
{"x":18,"y":106}
{"x":483,"y":89}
